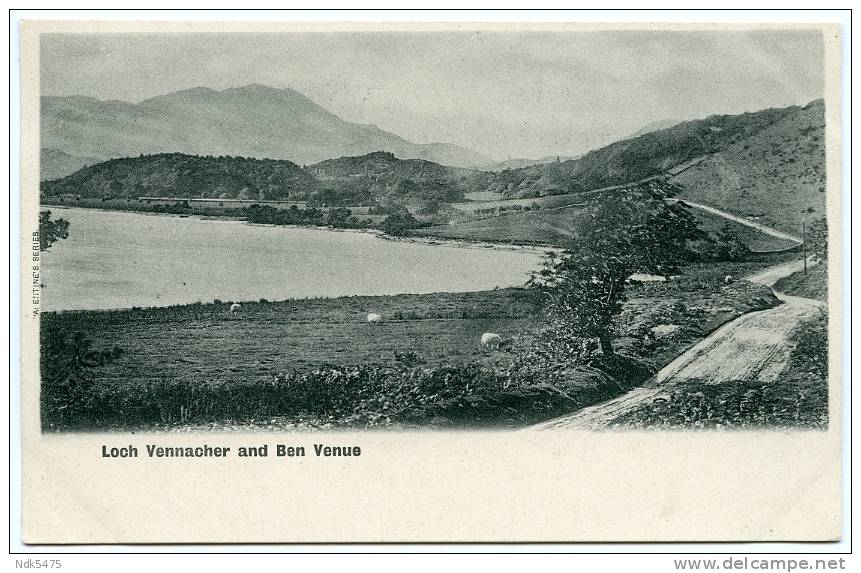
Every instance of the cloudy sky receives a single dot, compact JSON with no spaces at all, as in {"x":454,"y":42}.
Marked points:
{"x":505,"y":94}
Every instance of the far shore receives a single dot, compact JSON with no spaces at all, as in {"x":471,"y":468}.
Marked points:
{"x":426,"y":240}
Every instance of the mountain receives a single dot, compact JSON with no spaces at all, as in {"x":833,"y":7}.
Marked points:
{"x":382,"y":177}
{"x":54,"y":164}
{"x":250,"y":121}
{"x":180,"y":175}
{"x":634,"y":159}
{"x":453,"y":155}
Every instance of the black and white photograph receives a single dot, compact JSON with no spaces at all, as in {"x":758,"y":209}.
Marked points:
{"x":347,"y":281}
{"x":451,"y":230}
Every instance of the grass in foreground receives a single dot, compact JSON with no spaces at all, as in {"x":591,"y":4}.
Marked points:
{"x":317,"y":364}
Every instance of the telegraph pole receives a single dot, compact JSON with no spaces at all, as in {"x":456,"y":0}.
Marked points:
{"x":804,"y":246}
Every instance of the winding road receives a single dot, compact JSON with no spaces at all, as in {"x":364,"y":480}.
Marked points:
{"x":755,"y":346}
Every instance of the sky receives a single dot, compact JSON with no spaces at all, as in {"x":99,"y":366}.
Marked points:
{"x":505,"y":94}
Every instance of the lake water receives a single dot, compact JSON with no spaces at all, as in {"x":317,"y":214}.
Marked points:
{"x":116,"y":259}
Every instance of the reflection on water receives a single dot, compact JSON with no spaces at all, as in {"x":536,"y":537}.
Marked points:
{"x":118,"y":260}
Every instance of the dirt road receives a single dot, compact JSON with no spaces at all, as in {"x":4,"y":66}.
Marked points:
{"x":742,"y":221}
{"x":755,"y":346}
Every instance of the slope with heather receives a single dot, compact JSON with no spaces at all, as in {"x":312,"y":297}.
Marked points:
{"x":776,"y":176}
{"x":633,"y":159}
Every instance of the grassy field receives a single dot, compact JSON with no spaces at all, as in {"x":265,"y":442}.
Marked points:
{"x":289,"y":364}
{"x":544,"y":227}
{"x":206,"y":344}
{"x":554,"y":226}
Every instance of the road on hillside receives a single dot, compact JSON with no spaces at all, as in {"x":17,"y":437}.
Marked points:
{"x":669,"y":174}
{"x":755,"y":346}
{"x":742,"y":221}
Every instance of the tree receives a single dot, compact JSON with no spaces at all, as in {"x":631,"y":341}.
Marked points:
{"x":51,"y":231}
{"x":630,"y":231}
{"x":399,"y":224}
{"x":729,"y":246}
{"x":338,"y":217}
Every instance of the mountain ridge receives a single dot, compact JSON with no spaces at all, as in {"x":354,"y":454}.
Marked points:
{"x":252,"y":120}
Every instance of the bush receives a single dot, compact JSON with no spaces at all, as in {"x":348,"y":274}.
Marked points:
{"x":399,"y":224}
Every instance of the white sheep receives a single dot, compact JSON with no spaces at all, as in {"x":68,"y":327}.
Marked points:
{"x":491,"y":340}
{"x":235,"y":306}
{"x":374,"y":318}
{"x":729,"y":279}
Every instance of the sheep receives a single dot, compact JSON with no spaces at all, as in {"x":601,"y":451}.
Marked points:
{"x":491,"y":340}
{"x":728,"y":279}
{"x":374,"y":318}
{"x":235,"y":306}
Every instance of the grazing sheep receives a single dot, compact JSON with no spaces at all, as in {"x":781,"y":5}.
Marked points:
{"x":374,"y":318}
{"x":729,"y":279}
{"x":491,"y":340}
{"x":666,"y":331}
{"x":235,"y":306}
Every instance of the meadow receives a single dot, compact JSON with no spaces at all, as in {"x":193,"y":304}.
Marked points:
{"x":207,"y":344}
{"x":554,"y":225}
{"x":317,"y":363}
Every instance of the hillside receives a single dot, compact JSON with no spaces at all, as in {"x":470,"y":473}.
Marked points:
{"x":179,"y":175}
{"x":381,"y":164}
{"x":634,"y":159}
{"x":375,"y":178}
{"x":654,"y":126}
{"x":383,"y":178}
{"x":250,"y":121}
{"x":776,"y":176}
{"x":519,"y":163}
{"x":555,"y":226}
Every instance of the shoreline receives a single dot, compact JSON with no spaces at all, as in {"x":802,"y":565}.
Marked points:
{"x":423,"y":240}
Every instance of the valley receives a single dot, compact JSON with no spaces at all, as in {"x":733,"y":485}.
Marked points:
{"x":262,"y":318}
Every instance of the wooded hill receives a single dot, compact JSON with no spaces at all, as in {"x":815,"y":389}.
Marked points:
{"x":384,"y":178}
{"x":192,"y":176}
{"x":365,"y":180}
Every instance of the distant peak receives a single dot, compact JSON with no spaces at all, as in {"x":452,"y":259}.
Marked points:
{"x":198,"y":90}
{"x":253,"y":88}
{"x":195,"y":93}
{"x":204,"y":92}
